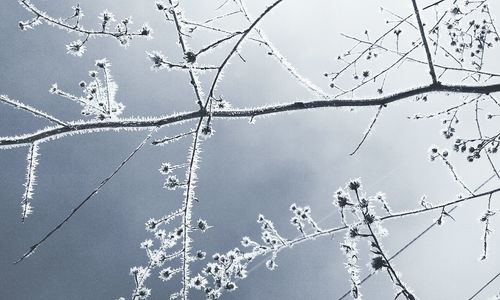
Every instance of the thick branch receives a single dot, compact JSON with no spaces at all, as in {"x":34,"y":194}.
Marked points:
{"x":55,"y":132}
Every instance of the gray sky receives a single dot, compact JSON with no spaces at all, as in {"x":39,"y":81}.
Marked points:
{"x":246,"y":169}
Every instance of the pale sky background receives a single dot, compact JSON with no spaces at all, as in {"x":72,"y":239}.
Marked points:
{"x":245,"y":169}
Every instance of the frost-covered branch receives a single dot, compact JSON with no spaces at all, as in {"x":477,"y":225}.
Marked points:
{"x":273,"y":243}
{"x":77,"y":48}
{"x":281,"y":59}
{"x":30,"y":183}
{"x":32,"y":110}
{"x":138,"y":123}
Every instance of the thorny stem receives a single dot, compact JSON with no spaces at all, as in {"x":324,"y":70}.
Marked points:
{"x":169,"y":139}
{"x":218,"y":42}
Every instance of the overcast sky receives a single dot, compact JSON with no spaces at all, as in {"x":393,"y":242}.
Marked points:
{"x":245,"y":169}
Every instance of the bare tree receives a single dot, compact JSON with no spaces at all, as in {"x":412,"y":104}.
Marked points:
{"x":453,"y":43}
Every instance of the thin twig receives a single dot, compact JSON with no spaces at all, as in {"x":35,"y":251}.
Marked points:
{"x":281,"y":59}
{"x":169,"y":139}
{"x":93,"y":193}
{"x":368,"y":131}
{"x":194,"y":79}
{"x":484,"y":286}
{"x":34,"y":111}
{"x":424,"y":40}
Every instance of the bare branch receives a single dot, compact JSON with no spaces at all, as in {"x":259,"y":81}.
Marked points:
{"x":92,"y":126}
{"x":424,"y":40}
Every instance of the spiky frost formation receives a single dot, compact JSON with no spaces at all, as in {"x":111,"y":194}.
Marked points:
{"x":187,"y":208}
{"x":30,"y":183}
